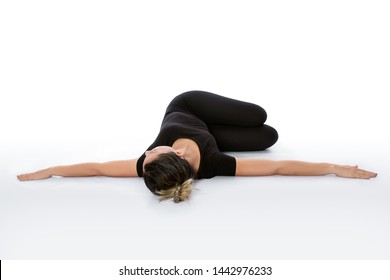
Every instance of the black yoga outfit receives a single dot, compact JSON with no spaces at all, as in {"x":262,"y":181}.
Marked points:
{"x":216,"y":124}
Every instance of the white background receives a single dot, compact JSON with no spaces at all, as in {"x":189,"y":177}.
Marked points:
{"x":89,"y":81}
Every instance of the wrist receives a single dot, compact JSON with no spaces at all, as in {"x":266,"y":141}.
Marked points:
{"x":50,"y":171}
{"x":332,"y":168}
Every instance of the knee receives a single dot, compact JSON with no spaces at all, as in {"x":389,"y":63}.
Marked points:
{"x":269,"y":135}
{"x":261,"y":115}
{"x":193,"y":93}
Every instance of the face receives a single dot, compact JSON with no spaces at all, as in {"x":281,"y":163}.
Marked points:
{"x":154,"y":153}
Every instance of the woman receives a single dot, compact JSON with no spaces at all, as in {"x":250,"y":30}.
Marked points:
{"x":196,"y":128}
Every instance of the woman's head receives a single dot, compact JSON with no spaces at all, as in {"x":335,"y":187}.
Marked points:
{"x":154,"y":153}
{"x":169,"y":176}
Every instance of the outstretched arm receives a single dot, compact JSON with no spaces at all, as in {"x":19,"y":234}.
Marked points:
{"x":118,"y":168}
{"x":261,"y":167}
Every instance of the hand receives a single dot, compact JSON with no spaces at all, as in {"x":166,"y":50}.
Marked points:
{"x":348,"y":171}
{"x":38,"y":175}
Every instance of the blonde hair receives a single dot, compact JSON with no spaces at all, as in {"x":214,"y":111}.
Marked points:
{"x":178,"y":193}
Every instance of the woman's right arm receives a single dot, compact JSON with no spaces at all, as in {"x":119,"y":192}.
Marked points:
{"x":262,"y":167}
{"x":118,"y":168}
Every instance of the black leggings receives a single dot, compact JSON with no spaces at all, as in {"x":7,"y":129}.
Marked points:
{"x":236,"y":125}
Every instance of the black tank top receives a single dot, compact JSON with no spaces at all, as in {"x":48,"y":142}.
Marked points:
{"x":179,"y":123}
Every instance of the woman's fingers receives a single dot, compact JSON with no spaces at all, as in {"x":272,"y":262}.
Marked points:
{"x":366,"y":174}
{"x":355,"y":172}
{"x":41,"y":174}
{"x":23,"y":177}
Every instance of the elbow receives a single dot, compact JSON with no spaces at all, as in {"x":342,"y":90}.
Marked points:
{"x":98,"y":170}
{"x":279,"y":169}
{"x":287,"y":168}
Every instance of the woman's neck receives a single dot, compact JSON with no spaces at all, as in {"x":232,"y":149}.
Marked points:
{"x":189,"y":151}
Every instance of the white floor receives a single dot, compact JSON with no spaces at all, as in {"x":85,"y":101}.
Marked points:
{"x":89,"y":81}
{"x":226,"y":218}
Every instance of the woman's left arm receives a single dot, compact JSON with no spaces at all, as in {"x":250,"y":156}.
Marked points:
{"x":261,"y":167}
{"x":117,"y":168}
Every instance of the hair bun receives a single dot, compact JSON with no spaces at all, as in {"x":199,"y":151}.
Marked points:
{"x":183,"y":191}
{"x":179,"y":193}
